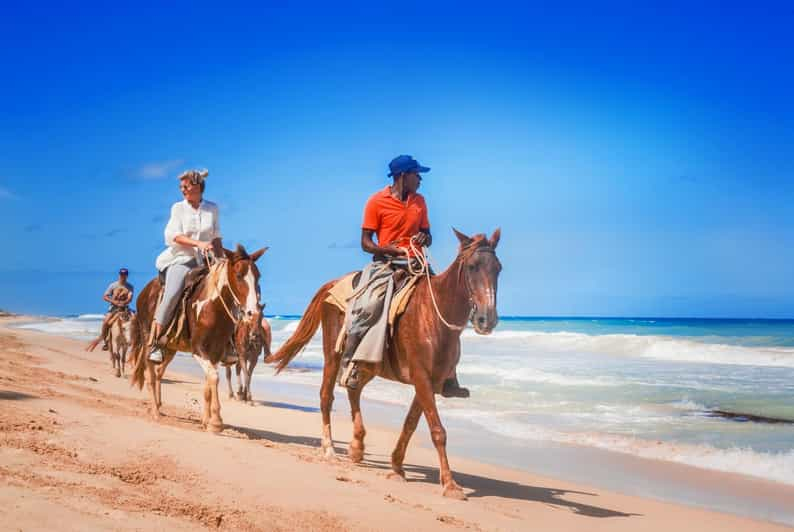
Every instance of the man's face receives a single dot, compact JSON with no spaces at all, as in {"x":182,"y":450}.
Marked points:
{"x":412,"y":181}
{"x":122,"y":277}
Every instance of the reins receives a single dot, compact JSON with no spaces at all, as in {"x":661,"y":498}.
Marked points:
{"x":212,"y":260}
{"x":423,"y":258}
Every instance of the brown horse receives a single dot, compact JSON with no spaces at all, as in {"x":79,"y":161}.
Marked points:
{"x":251,"y":337}
{"x":220,"y":300}
{"x":423,"y":351}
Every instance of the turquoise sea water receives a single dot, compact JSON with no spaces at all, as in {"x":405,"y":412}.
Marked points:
{"x":648,"y":387}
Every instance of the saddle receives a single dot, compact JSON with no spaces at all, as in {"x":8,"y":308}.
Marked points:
{"x":178,"y":331}
{"x":340,"y":293}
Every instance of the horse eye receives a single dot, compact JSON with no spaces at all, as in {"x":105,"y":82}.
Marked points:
{"x":472,"y":267}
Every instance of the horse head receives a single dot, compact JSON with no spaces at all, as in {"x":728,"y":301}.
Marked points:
{"x":480,"y":267}
{"x":243,"y":279}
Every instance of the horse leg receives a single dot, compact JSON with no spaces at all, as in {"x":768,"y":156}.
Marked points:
{"x":153,"y":387}
{"x":229,"y":381}
{"x":159,"y":370}
{"x":211,"y":417}
{"x":356,"y":448}
{"x":331,"y":329}
{"x":240,"y":367}
{"x":248,"y":374}
{"x":398,"y":455}
{"x":427,"y":400}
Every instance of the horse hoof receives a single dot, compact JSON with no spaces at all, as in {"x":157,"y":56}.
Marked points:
{"x":330,"y":455}
{"x":397,"y":475}
{"x":118,"y":373}
{"x":356,"y":454}
{"x":215,"y":428}
{"x":453,"y":491}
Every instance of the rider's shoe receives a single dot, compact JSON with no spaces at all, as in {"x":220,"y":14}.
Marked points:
{"x":156,"y":356}
{"x":453,"y":389}
{"x":350,"y":376}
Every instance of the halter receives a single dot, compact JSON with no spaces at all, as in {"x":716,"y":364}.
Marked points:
{"x":235,"y":317}
{"x":424,"y":267}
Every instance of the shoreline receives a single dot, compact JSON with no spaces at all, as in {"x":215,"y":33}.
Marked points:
{"x":287,"y":417}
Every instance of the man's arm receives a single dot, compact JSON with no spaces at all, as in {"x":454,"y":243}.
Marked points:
{"x":107,"y":296}
{"x":368,"y":245}
{"x":127,"y":298}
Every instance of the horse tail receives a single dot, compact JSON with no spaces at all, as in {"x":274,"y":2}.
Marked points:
{"x":138,"y":374}
{"x":308,"y":325}
{"x":145,"y":305}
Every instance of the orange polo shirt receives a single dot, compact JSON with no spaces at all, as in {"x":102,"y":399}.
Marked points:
{"x":395,"y":221}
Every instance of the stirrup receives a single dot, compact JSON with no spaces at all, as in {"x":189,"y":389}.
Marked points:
{"x":156,"y":355}
{"x":349,"y":377}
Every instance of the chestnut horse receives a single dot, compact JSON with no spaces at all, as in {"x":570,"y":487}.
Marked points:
{"x":423,"y":351}
{"x":218,"y":303}
{"x":251,"y":337}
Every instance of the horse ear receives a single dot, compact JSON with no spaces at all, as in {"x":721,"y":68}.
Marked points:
{"x":256,"y":254}
{"x":240,"y":250}
{"x":229,"y":254}
{"x":464,"y":240}
{"x":494,"y":240}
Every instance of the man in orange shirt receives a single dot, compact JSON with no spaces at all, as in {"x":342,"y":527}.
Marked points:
{"x":395,"y":215}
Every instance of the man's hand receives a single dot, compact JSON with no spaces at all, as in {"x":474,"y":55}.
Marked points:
{"x":422,"y":239}
{"x":393,"y":251}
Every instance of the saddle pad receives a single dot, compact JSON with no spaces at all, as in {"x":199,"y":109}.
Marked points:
{"x":339,"y":294}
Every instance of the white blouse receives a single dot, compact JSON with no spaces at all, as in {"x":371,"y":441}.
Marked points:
{"x":199,"y":224}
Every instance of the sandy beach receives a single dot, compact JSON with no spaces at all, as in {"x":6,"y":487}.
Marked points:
{"x":78,"y":451}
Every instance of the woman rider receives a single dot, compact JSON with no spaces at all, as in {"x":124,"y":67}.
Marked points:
{"x":190,"y":231}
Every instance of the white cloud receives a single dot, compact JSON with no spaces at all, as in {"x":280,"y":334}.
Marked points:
{"x":159,"y":169}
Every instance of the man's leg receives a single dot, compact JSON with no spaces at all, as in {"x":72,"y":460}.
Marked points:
{"x":105,"y":333}
{"x":102,"y":335}
{"x":366,"y":338}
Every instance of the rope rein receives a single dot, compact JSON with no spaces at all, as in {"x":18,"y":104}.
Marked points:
{"x":423,"y":258}
{"x":212,"y":260}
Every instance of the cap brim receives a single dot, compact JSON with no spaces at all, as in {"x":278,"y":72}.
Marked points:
{"x":422,"y":169}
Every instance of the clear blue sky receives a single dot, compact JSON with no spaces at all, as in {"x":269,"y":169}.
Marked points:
{"x":640,"y":161}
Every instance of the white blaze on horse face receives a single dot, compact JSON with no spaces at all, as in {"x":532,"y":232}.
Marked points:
{"x":251,"y":304}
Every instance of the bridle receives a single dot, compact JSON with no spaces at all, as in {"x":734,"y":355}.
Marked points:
{"x":423,"y":257}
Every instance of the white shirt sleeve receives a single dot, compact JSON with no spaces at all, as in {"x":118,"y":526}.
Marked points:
{"x":216,"y":226}
{"x":174,"y":226}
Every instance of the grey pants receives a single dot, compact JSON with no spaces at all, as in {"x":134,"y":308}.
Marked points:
{"x":367,"y":318}
{"x":174,"y":284}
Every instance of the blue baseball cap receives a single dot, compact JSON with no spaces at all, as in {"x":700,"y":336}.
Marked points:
{"x":123,"y":271}
{"x":405,"y":163}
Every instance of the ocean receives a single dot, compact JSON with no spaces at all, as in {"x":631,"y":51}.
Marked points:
{"x":712,"y":393}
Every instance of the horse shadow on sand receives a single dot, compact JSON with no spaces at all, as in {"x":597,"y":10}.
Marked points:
{"x":477,"y":486}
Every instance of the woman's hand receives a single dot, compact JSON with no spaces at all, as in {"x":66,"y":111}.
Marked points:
{"x":204,"y":246}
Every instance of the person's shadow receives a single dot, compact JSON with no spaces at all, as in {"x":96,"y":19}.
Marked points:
{"x":477,"y":486}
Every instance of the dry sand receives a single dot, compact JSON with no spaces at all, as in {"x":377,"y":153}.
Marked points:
{"x":78,"y":451}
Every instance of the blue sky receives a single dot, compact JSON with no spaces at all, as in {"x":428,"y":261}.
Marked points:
{"x":639,"y":161}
